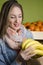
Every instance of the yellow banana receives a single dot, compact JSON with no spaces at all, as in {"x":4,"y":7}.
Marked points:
{"x":38,"y":46}
{"x":31,"y":43}
{"x":26,"y":42}
{"x":38,"y":52}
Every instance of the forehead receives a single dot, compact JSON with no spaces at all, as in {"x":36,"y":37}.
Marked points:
{"x":15,"y":10}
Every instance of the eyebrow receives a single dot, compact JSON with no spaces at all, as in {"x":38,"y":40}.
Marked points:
{"x":14,"y":14}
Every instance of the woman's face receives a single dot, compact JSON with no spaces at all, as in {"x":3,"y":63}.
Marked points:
{"x":15,"y":17}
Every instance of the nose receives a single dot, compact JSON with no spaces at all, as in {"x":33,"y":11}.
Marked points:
{"x":17,"y":20}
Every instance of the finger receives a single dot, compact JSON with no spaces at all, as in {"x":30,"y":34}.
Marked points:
{"x":26,"y":57}
{"x":28,"y":49}
{"x":29,"y":52}
{"x":11,"y":35}
{"x":11,"y":31}
{"x":12,"y":26}
{"x":30,"y":56}
{"x":7,"y":38}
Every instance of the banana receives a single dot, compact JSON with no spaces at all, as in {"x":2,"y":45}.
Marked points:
{"x":31,"y":43}
{"x":38,"y":52}
{"x":26,"y":42}
{"x":38,"y":46}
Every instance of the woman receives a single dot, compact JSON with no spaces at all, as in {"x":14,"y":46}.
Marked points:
{"x":12,"y":34}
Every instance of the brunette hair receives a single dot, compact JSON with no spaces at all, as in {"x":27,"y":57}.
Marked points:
{"x":4,"y":13}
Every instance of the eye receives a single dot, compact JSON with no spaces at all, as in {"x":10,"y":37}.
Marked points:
{"x":20,"y":16}
{"x":12,"y":16}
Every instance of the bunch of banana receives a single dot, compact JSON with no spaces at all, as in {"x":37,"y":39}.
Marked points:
{"x":37,"y":46}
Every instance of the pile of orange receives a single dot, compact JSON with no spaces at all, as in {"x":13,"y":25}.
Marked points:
{"x":34,"y":26}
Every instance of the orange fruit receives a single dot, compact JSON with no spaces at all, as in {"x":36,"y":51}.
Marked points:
{"x":32,"y":27}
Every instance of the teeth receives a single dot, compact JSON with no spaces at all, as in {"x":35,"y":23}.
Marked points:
{"x":16,"y":25}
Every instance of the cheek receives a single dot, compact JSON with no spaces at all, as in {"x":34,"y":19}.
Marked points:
{"x":11,"y":21}
{"x":20,"y":21}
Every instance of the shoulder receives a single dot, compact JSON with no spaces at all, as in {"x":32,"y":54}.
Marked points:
{"x":1,"y":51}
{"x":1,"y":42}
{"x":2,"y":46}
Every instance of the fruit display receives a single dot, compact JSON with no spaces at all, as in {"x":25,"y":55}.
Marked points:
{"x":36,"y":45}
{"x":34,"y":26}
{"x":27,"y":24}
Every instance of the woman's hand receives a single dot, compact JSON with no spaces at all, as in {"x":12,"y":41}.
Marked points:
{"x":27,"y":54}
{"x":10,"y":39}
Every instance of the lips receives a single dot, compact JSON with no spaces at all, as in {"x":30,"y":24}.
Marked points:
{"x":16,"y":25}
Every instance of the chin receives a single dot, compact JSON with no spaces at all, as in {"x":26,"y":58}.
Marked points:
{"x":17,"y":28}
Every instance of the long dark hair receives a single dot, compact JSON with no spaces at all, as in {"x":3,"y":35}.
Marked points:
{"x":4,"y":13}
